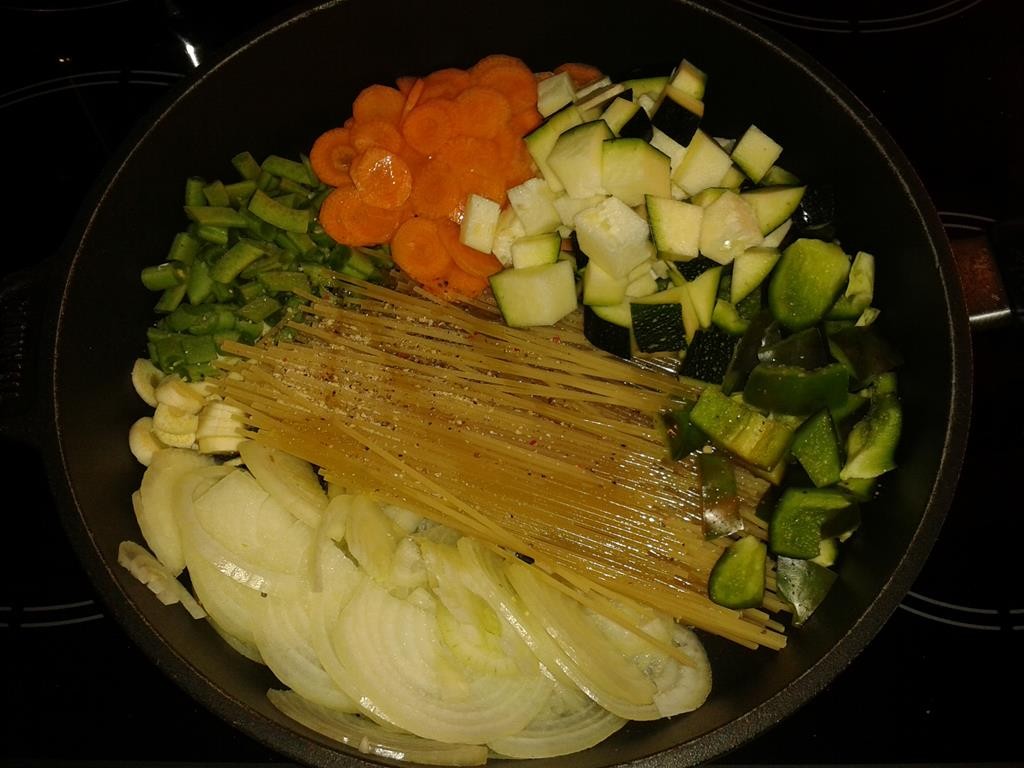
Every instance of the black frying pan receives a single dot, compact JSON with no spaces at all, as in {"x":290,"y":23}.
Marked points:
{"x":276,"y":92}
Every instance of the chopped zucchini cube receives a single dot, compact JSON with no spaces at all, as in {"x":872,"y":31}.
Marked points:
{"x":632,"y":168}
{"x":675,"y":226}
{"x":614,"y":236}
{"x":576,"y":158}
{"x":729,"y":226}
{"x":535,"y":296}
{"x":755,"y":153}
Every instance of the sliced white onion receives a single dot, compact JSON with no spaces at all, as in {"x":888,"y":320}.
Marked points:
{"x":233,"y":608}
{"x":425,"y":690}
{"x":568,"y":723}
{"x":468,"y":625}
{"x":598,"y":668}
{"x":155,"y":575}
{"x":371,"y":537}
{"x":241,"y":645}
{"x":158,"y":496}
{"x":292,"y":481}
{"x":370,"y":738}
{"x":238,"y":529}
{"x":284,"y":637}
{"x":683,"y":688}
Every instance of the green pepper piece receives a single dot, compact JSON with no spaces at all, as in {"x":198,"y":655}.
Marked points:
{"x":860,"y":289}
{"x":816,"y":447}
{"x":796,"y":527}
{"x":756,"y":438}
{"x":681,"y":436}
{"x":737,"y":578}
{"x":865,"y":353}
{"x":871,"y":445}
{"x":796,"y":391}
{"x":762,"y":326}
{"x":803,"y":349}
{"x":804,"y":585}
{"x":806,"y":282}
{"x":720,"y":506}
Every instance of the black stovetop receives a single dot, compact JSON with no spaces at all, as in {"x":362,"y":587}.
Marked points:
{"x":939,"y":685}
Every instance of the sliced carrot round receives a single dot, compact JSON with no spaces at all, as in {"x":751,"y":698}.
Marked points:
{"x":524,"y":121}
{"x":347,"y":218}
{"x":331,"y":155}
{"x":581,"y":75}
{"x":515,"y":81}
{"x":429,"y":125}
{"x":412,"y":98}
{"x":465,"y":284}
{"x":405,"y":84}
{"x":378,"y":102}
{"x":417,"y":249}
{"x":471,"y":153}
{"x":382,"y":178}
{"x":436,"y":191}
{"x":495,"y":60}
{"x":376,"y":133}
{"x":445,"y":83}
{"x":482,"y":112}
{"x":468,"y":259}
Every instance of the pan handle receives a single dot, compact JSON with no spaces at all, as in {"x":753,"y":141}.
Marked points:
{"x":991,"y":269}
{"x":23,"y":296}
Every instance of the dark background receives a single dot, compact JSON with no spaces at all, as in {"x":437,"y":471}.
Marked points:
{"x":941,"y":683}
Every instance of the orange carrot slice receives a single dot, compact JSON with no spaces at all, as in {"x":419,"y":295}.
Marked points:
{"x":468,"y":259}
{"x":376,"y":133}
{"x":347,"y":218}
{"x":382,"y":178}
{"x":412,"y":98}
{"x":429,"y":125}
{"x":417,"y":249}
{"x":463,"y":283}
{"x":581,"y":75}
{"x":405,"y":84}
{"x":445,"y":83}
{"x":525,"y":121}
{"x":378,"y":102}
{"x":482,"y":112}
{"x":471,"y":153}
{"x":436,"y":190}
{"x":515,"y":81}
{"x":495,"y":60}
{"x":331,"y":156}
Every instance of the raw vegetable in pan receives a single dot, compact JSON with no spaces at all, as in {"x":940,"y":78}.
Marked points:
{"x":422,"y":397}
